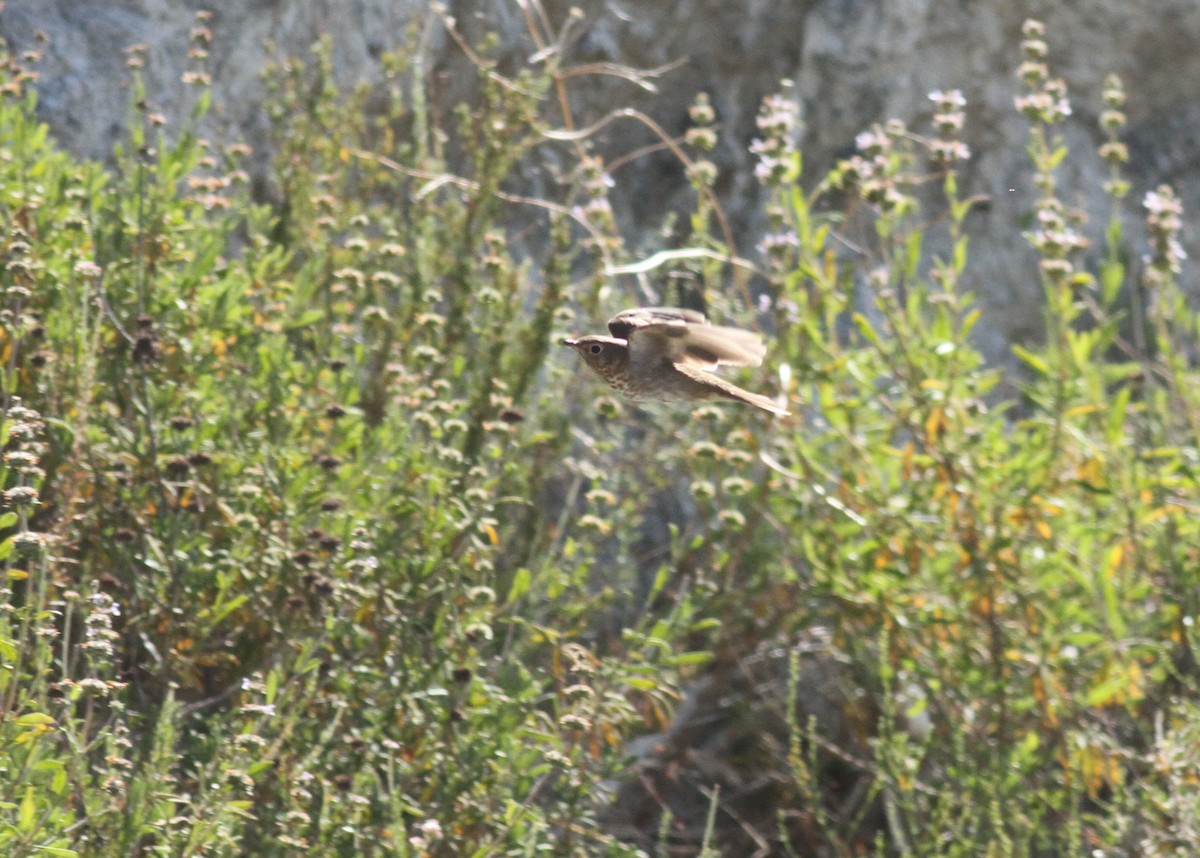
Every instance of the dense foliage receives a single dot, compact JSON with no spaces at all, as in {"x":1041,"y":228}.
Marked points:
{"x":314,"y":543}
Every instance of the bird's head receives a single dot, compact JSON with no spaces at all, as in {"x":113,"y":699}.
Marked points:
{"x":606,"y":355}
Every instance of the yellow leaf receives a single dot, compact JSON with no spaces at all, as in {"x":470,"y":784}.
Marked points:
{"x":1112,"y":560}
{"x":1091,"y":472}
{"x":906,"y":458}
{"x":935,"y":425}
{"x":1157,"y":513}
{"x":1098,"y":768}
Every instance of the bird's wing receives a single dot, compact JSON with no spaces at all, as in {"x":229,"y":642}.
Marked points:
{"x":702,"y":346}
{"x":712,"y":345}
{"x":658,"y":347}
{"x":621,"y":324}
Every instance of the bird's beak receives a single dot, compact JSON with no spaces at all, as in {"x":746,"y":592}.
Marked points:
{"x":567,"y":341}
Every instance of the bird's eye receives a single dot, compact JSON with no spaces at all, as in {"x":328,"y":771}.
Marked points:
{"x":596,"y":349}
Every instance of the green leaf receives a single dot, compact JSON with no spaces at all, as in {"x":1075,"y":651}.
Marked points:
{"x":59,"y":783}
{"x":27,"y":813}
{"x":969,"y":320}
{"x":1083,"y":345}
{"x":1112,"y":277}
{"x":1056,"y":157}
{"x":1112,"y":234}
{"x":240,"y":808}
{"x":272,"y":687}
{"x":36,"y":719}
{"x":1111,"y":688}
{"x":959,"y":209}
{"x":950,"y":185}
{"x":660,"y":580}
{"x":223,"y":610}
{"x":1112,"y":600}
{"x":912,"y":254}
{"x":1116,"y":415}
{"x":864,"y":327}
{"x":1031,"y":359}
{"x":520,"y":584}
{"x":690,"y":658}
{"x":960,"y":253}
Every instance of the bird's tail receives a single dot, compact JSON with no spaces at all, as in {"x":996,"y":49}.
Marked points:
{"x":714,"y":385}
{"x":732,"y":391}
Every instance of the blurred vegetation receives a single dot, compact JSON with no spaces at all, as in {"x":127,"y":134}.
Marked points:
{"x":313,"y":543}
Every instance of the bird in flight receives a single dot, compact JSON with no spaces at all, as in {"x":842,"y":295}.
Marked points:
{"x":669,"y":354}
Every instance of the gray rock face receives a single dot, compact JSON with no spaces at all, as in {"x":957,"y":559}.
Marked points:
{"x":854,"y":62}
{"x":83,"y":88}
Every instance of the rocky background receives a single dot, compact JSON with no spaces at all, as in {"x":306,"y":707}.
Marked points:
{"x":853,"y":63}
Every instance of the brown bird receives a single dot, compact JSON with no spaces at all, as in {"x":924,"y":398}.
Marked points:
{"x":667,"y":354}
